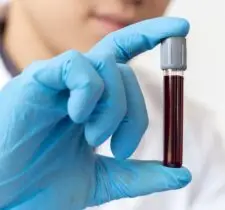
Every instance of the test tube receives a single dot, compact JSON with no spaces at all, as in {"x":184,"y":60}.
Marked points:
{"x":173,"y":64}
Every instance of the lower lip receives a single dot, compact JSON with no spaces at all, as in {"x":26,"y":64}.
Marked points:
{"x":107,"y":26}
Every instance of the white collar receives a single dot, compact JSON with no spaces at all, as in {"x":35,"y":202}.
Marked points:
{"x":5,"y":76}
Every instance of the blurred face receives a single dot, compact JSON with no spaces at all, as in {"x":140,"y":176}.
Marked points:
{"x":79,"y":24}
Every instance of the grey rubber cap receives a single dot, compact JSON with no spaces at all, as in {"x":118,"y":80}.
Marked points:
{"x":174,"y":53}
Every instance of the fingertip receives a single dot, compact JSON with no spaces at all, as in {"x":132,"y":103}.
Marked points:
{"x":76,"y":116}
{"x":177,"y":26}
{"x":119,"y":153}
{"x":183,"y":25}
{"x":184,"y":173}
{"x":180,"y":177}
{"x":75,"y":111}
{"x":124,"y":145}
{"x":185,"y":176}
{"x":93,"y":135}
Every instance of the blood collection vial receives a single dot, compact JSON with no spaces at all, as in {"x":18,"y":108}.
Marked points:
{"x":173,"y":64}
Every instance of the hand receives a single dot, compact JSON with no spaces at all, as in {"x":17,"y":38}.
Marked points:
{"x":56,"y":111}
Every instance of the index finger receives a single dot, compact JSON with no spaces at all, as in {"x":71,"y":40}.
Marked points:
{"x":140,"y":37}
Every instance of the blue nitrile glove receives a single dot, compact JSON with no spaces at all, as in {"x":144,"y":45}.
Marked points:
{"x":56,"y":110}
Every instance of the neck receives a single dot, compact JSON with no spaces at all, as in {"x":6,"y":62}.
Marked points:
{"x":21,"y":41}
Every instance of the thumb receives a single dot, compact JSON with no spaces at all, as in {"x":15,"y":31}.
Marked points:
{"x":131,"y":178}
{"x":130,"y":41}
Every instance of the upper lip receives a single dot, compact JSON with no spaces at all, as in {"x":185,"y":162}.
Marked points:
{"x":117,"y":19}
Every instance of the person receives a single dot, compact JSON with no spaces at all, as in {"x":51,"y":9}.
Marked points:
{"x":73,"y":92}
